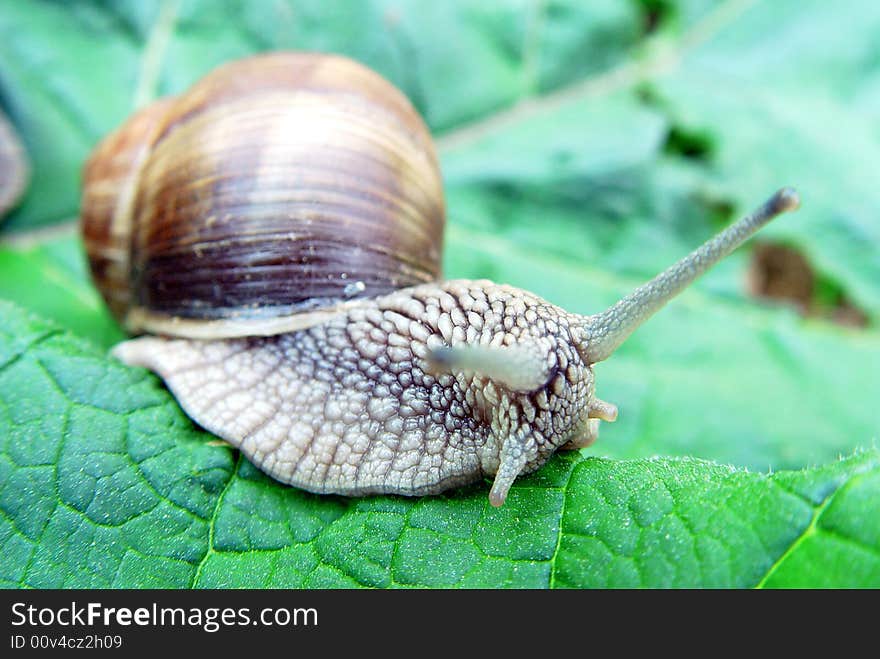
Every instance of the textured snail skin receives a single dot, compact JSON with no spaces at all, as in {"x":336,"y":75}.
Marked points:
{"x":424,"y":389}
{"x":355,"y":405}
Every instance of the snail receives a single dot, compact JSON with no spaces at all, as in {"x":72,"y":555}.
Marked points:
{"x":14,"y":168}
{"x":275,"y":233}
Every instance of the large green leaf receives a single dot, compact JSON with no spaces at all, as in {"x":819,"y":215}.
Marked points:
{"x":50,"y":278}
{"x":773,"y":106}
{"x":104,"y":482}
{"x":585,"y":146}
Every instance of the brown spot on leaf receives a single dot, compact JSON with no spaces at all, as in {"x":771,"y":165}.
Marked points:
{"x":780,"y":272}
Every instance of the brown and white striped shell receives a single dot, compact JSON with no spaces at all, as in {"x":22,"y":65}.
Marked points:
{"x":276,"y":188}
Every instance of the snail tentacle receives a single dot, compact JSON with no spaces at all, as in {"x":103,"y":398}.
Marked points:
{"x":516,"y":452}
{"x":606,"y":331}
{"x":524,"y":366}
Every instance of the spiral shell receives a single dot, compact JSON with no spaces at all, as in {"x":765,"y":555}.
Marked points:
{"x":14,"y":169}
{"x":276,"y":186}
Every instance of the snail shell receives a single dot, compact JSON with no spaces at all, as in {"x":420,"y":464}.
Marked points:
{"x":14,"y":169}
{"x":278,"y":187}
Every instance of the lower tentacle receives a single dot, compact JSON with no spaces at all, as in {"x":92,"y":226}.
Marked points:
{"x":516,"y":452}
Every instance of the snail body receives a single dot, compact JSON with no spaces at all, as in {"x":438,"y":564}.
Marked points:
{"x":298,"y":311}
{"x":356,"y":405}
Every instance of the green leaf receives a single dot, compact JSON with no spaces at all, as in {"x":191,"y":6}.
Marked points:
{"x":50,"y":278}
{"x":120,"y":490}
{"x":685,"y":523}
{"x":61,"y":94}
{"x":774,"y":107}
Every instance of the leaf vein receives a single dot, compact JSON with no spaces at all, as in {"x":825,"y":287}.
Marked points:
{"x":810,"y":529}
{"x":213,"y":520}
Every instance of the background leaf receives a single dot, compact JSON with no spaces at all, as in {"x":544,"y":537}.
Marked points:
{"x":585,"y":146}
{"x":51,"y":278}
